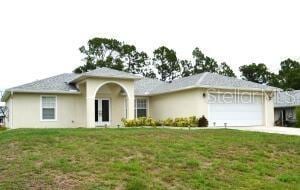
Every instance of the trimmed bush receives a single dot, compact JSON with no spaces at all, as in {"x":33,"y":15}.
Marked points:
{"x":149,"y":122}
{"x":177,"y":122}
{"x":193,"y":121}
{"x":158,"y":123}
{"x":181,"y":122}
{"x":202,"y":122}
{"x":138,"y":122}
{"x":298,"y":117}
{"x":168,"y":122}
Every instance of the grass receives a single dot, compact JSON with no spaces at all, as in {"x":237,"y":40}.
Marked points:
{"x":298,"y":116}
{"x":147,"y":159}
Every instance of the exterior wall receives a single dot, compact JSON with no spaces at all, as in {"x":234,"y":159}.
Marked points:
{"x":269,"y":112}
{"x":178,"y":104}
{"x":26,"y":111}
{"x":79,"y":110}
{"x":192,"y":103}
{"x":73,"y":110}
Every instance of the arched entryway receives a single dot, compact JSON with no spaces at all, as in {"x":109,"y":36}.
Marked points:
{"x":116,"y":91}
{"x":111,"y":104}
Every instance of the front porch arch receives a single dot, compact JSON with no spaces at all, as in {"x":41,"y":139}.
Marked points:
{"x":92,"y":88}
{"x":111,"y":82}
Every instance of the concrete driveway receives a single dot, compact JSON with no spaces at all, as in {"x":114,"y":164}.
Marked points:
{"x":278,"y":130}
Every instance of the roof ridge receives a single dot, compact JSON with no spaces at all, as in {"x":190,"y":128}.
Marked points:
{"x":108,"y":68}
{"x":155,"y":79}
{"x":202,"y":78}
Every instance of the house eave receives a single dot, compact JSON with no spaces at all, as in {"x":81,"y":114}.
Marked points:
{"x":286,"y":106}
{"x":8,"y":93}
{"x":83,"y":77}
{"x":208,"y":87}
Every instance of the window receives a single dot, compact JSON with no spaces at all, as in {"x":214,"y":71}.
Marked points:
{"x":140,"y":107}
{"x":48,"y":108}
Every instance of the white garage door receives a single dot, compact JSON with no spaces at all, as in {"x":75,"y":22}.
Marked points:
{"x":235,"y":110}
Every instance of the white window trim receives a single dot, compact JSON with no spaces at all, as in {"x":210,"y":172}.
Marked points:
{"x":147,"y":106}
{"x":41,"y":108}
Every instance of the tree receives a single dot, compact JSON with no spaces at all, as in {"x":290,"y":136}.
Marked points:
{"x":225,"y":70}
{"x":203,"y":63}
{"x":134,"y":61}
{"x":149,"y":72}
{"x":199,"y":58}
{"x":290,"y":74}
{"x":101,"y":52}
{"x":186,"y":68}
{"x":166,"y":63}
{"x":275,"y":80}
{"x":255,"y":72}
{"x":111,"y":53}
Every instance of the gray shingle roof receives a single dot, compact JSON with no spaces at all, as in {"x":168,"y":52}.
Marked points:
{"x":216,"y":80}
{"x":56,"y":83}
{"x":146,"y":85}
{"x":106,"y":73}
{"x":287,"y":99}
{"x":204,"y":80}
{"x":143,"y":87}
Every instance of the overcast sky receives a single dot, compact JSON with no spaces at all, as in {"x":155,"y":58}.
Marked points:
{"x":39,"y":39}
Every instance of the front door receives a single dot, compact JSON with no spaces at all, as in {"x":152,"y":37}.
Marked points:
{"x":102,"y":111}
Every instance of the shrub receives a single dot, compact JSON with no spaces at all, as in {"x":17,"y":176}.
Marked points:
{"x":138,"y":122}
{"x":149,"y":122}
{"x":202,"y":122}
{"x":141,"y":121}
{"x":177,"y":122}
{"x":168,"y":122}
{"x":298,"y":117}
{"x":193,"y":121}
{"x":158,"y":123}
{"x":181,"y":122}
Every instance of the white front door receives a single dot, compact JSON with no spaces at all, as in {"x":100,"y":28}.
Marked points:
{"x":102,"y":111}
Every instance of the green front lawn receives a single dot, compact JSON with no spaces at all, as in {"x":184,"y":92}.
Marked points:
{"x":147,"y":159}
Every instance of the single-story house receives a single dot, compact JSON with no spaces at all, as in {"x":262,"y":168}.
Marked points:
{"x":102,"y":97}
{"x":285,"y":104}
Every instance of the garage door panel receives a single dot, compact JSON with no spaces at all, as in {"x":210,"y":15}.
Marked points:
{"x":237,"y":113}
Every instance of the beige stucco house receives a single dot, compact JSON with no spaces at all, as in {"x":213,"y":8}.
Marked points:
{"x":104,"y":96}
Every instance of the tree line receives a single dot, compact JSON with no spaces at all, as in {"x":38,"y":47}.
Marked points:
{"x":166,"y":66}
